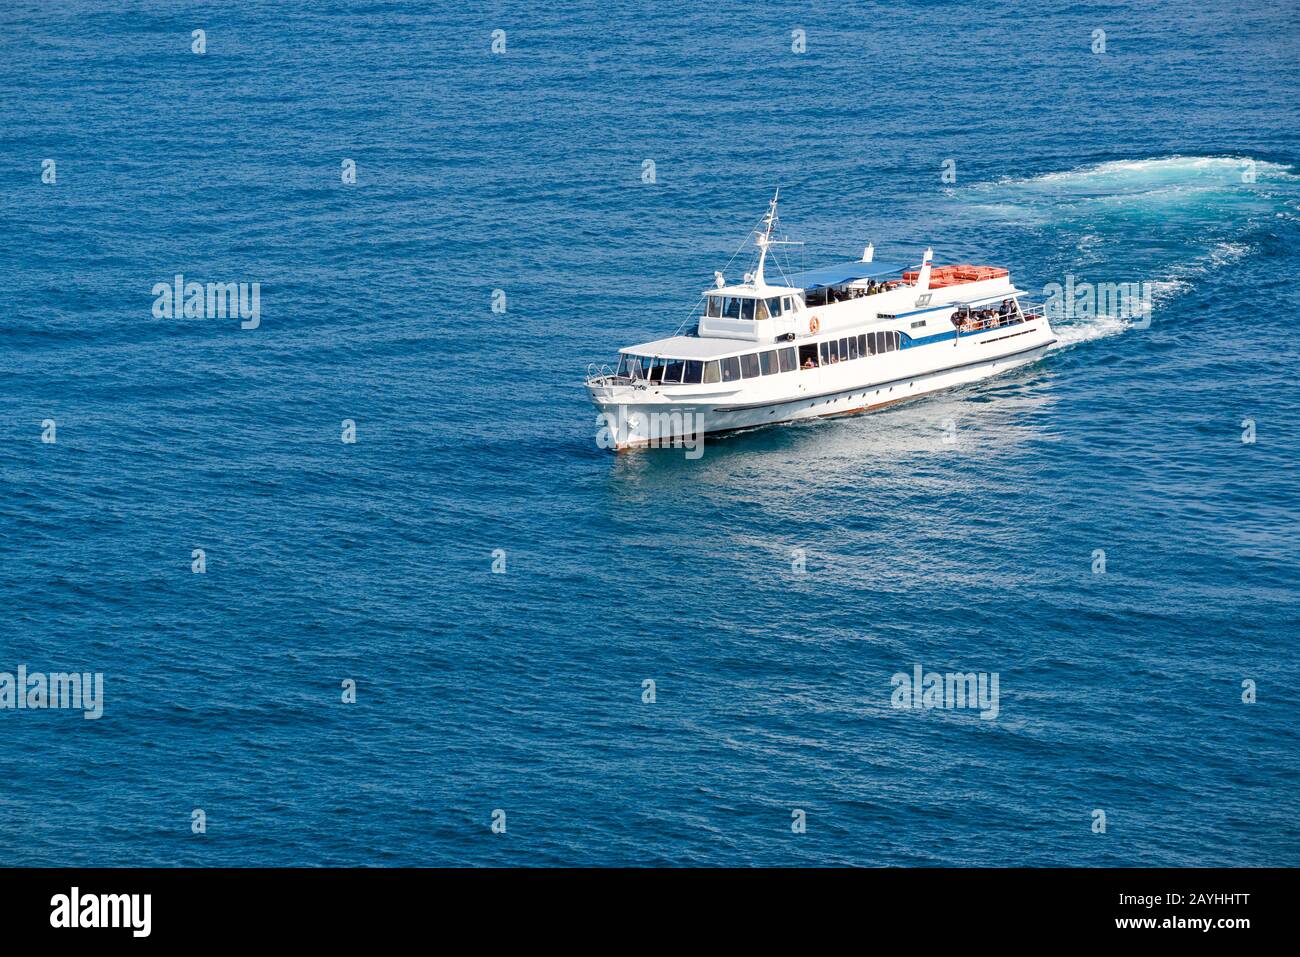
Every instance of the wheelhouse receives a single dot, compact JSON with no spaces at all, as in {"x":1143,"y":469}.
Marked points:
{"x":730,"y":305}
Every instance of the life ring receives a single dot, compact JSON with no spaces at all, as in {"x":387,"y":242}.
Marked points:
{"x":813,"y":326}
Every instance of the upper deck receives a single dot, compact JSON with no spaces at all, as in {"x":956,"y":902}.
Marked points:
{"x":825,"y":301}
{"x":822,"y":303}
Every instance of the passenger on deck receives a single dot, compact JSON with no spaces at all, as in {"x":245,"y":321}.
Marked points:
{"x":809,"y":364}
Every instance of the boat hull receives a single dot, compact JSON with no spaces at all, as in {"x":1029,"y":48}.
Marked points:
{"x":638,"y":417}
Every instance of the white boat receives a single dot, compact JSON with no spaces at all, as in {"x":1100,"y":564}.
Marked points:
{"x":835,"y":340}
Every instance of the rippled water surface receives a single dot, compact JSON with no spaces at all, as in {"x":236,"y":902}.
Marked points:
{"x":1171,"y":159}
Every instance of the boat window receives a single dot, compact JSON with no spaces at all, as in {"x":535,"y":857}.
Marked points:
{"x":749,"y":366}
{"x":711,"y":372}
{"x":774,"y":306}
{"x":844,"y":350}
{"x":825,"y":352}
{"x":875,"y":344}
{"x":730,"y":369}
{"x":862,"y":344}
{"x":731,"y":307}
{"x":622,"y":364}
{"x":692,"y":372}
{"x":769,"y":362}
{"x":808,"y":357}
{"x":673,"y":370}
{"x":835,"y":350}
{"x":634,"y":368}
{"x":760,"y":309}
{"x":787,"y":304}
{"x":656,"y":367}
{"x":747,"y":309}
{"x":789,"y":361}
{"x":714,"y":307}
{"x":853,"y":347}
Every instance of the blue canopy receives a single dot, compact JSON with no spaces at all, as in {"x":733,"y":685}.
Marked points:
{"x":843,"y":272}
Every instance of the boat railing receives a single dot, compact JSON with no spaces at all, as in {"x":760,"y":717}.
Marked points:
{"x":1032,"y":310}
{"x":600,"y":373}
{"x":1025,"y":312}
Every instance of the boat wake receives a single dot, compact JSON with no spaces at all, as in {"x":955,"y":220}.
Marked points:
{"x":1170,"y":223}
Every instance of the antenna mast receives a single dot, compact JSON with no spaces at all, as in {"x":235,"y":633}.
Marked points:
{"x":764,"y":239}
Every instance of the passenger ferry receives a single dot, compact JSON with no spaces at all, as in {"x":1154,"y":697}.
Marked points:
{"x":835,"y":340}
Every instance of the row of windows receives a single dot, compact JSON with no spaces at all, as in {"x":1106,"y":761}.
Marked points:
{"x":755,"y":364}
{"x":695,"y":371}
{"x":737,"y":307}
{"x":850,"y":347}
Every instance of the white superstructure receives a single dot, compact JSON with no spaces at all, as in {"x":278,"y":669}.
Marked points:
{"x":830,"y":341}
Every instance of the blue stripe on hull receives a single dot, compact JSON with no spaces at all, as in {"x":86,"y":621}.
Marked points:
{"x":908,"y":342}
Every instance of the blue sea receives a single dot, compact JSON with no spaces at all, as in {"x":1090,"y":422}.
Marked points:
{"x":1112,"y":531}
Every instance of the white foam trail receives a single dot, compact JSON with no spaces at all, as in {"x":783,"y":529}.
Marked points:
{"x":1148,"y":170}
{"x":1086,"y":330}
{"x":1211,"y":203}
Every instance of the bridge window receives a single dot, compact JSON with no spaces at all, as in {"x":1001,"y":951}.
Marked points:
{"x":747,"y":309}
{"x":749,"y":365}
{"x":731,"y":307}
{"x":691,"y":372}
{"x":673,"y":370}
{"x":713,"y":308}
{"x":730,"y":369}
{"x":711,"y":372}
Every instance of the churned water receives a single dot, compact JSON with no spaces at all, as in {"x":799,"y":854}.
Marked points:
{"x":961,"y":533}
